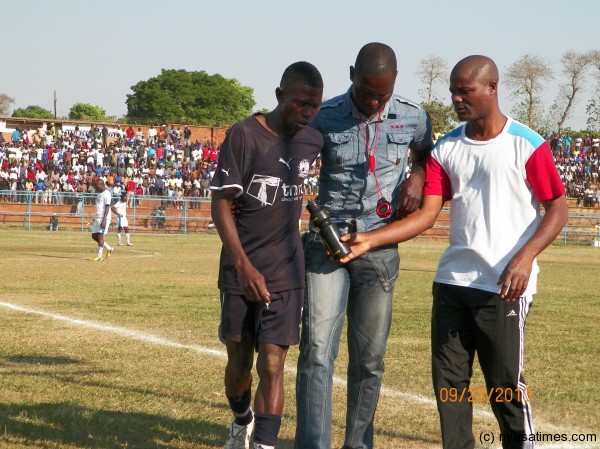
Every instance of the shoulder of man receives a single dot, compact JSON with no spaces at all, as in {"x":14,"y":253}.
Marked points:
{"x":310,"y":134}
{"x":451,"y":136}
{"x":334,"y":102}
{"x":402,"y":102}
{"x":240,"y":128}
{"x":331,"y":111}
{"x":240,"y":124}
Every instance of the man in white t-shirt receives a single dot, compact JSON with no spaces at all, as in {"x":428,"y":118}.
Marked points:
{"x":120,"y":210}
{"x":152,"y":135}
{"x":102,"y":220}
{"x":487,"y":277}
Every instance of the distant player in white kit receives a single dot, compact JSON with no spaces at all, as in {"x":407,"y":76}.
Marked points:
{"x":120,"y":210}
{"x":102,"y":220}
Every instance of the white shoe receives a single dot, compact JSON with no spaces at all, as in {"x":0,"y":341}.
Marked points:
{"x":129,"y":244}
{"x":239,"y":436}
{"x":120,"y":244}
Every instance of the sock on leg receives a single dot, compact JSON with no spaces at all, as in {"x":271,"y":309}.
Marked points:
{"x":241,"y":409}
{"x":266,"y":429}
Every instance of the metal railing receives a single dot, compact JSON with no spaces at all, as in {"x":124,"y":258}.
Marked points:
{"x":76,"y":211}
{"x":163,"y":214}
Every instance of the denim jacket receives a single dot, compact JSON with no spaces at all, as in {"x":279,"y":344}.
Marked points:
{"x":347,"y":187}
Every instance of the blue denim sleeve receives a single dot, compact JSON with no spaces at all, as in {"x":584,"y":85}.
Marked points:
{"x":422,"y":140}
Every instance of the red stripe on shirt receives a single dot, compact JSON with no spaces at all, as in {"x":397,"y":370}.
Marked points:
{"x":437,"y":181}
{"x":542,"y":174}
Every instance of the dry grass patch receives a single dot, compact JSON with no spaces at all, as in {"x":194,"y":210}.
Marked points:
{"x":70,"y":385}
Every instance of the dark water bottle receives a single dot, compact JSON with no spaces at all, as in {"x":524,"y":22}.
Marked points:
{"x":329,"y":232}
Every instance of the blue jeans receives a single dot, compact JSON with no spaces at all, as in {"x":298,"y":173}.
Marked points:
{"x":362,"y":291}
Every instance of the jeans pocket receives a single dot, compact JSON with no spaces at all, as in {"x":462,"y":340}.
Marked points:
{"x":315,"y":255}
{"x":386,"y":263}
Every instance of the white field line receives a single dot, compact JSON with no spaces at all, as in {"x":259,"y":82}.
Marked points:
{"x":386,"y":392}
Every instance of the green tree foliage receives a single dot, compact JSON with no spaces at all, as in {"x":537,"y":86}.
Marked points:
{"x":85,"y":111}
{"x":593,"y":106}
{"x":433,"y":70}
{"x":33,"y":111}
{"x":593,"y":111}
{"x":532,"y":112}
{"x":443,"y":118}
{"x":179,"y":96}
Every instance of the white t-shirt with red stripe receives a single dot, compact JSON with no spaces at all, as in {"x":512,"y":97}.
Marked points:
{"x":496,"y":188}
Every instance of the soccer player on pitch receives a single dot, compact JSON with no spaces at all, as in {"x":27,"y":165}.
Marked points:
{"x":120,"y":210}
{"x":102,"y":220}
{"x":262,"y":166}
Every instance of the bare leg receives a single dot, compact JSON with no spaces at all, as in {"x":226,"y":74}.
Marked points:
{"x":270,"y":367}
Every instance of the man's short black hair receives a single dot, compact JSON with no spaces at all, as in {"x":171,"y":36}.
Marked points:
{"x":301,"y":72}
{"x":376,"y":58}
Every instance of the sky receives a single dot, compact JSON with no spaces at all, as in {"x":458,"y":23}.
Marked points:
{"x":93,"y":52}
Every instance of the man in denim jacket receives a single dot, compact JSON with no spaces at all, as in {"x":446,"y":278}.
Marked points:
{"x":368,"y":132}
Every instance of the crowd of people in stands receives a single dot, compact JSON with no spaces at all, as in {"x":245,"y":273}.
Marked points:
{"x":578,"y":164}
{"x":41,"y":165}
{"x":45,"y":165}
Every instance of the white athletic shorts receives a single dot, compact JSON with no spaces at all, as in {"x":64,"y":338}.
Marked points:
{"x":96,"y":229}
{"x":122,"y":222}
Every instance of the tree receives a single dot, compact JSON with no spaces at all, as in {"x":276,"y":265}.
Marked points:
{"x":594,"y":59}
{"x":574,"y":68}
{"x":525,"y":77}
{"x":524,"y":111}
{"x":432,"y":69}
{"x":593,"y":110}
{"x":179,"y":96}
{"x":85,"y":111}
{"x":443,"y":118}
{"x":593,"y":106}
{"x":33,"y":111}
{"x":5,"y":102}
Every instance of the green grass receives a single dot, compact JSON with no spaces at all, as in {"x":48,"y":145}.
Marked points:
{"x":71,"y":386}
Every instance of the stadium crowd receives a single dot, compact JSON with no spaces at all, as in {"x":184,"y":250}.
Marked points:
{"x":41,"y":165}
{"x":578,"y":164}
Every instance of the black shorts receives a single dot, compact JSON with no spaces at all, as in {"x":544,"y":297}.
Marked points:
{"x":252,"y":322}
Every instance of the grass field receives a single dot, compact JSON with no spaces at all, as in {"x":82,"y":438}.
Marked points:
{"x":124,"y":353}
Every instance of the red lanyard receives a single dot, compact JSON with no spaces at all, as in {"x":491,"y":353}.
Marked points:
{"x":372,"y":149}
